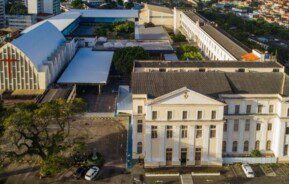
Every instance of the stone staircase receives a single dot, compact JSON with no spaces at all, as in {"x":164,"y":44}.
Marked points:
{"x":186,"y":179}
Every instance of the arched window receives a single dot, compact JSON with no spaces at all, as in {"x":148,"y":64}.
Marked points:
{"x":257,"y":145}
{"x":139,"y":148}
{"x":235,"y":146}
{"x":246,"y":146}
{"x":268,"y":145}
{"x":224,"y":146}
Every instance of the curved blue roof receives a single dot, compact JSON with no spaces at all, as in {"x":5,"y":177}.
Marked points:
{"x":40,"y":43}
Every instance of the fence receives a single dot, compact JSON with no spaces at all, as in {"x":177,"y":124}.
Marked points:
{"x":249,"y":160}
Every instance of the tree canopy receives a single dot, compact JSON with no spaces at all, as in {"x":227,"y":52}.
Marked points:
{"x":123,"y":58}
{"x":186,"y":51}
{"x":41,"y":129}
{"x":77,"y":4}
{"x":16,"y":8}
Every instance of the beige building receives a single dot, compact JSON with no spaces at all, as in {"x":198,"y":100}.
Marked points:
{"x":157,"y":15}
{"x":209,"y":113}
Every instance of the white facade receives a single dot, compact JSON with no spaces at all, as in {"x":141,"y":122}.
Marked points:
{"x":189,"y":128}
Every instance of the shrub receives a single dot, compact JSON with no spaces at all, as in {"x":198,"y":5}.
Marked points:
{"x":255,"y":153}
{"x":53,"y":165}
{"x":149,"y":24}
{"x":186,"y":51}
{"x":179,"y":38}
{"x":125,"y":27}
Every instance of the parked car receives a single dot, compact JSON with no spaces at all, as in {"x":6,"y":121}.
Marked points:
{"x":92,"y":173}
{"x":81,"y":171}
{"x":248,"y":170}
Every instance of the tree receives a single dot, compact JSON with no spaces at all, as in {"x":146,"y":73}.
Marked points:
{"x":187,"y":51}
{"x":120,"y":2}
{"x":179,"y":37}
{"x":128,"y":5}
{"x":77,"y":4}
{"x":125,"y":27}
{"x":123,"y":58}
{"x":41,"y":130}
{"x":3,"y":113}
{"x":17,"y":8}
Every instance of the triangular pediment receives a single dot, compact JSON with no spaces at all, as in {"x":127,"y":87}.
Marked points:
{"x":185,"y":96}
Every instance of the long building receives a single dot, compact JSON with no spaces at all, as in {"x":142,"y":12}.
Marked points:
{"x":201,"y":113}
{"x":215,"y":43}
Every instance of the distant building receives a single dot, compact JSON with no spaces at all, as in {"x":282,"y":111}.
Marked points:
{"x":43,"y":6}
{"x":21,"y":21}
{"x":2,"y":13}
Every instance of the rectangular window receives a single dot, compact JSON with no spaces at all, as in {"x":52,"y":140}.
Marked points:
{"x":154,"y":132}
{"x":247,"y":125}
{"x":212,"y":131}
{"x":269,"y":126}
{"x":226,"y":109}
{"x":287,"y":130}
{"x":198,"y":131}
{"x":288,"y":112}
{"x":286,"y":150}
{"x":184,"y":131}
{"x":185,"y":115}
{"x":225,"y":127}
{"x":139,"y":109}
{"x":139,"y":126}
{"x":260,"y":109}
{"x":170,"y":115}
{"x":237,"y":109}
{"x":258,"y":127}
{"x":271,"y":108}
{"x":200,"y":115}
{"x":248,"y":109}
{"x":214,"y":113}
{"x":169,"y":132}
{"x":236,"y":125}
{"x":155,"y":115}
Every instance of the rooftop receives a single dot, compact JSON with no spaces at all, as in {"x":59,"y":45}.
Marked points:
{"x":153,"y":33}
{"x":230,"y":44}
{"x":156,"y":84}
{"x":206,"y":64}
{"x":37,"y":46}
{"x":88,"y":67}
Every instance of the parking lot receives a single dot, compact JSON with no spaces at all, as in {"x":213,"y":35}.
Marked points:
{"x":234,"y":174}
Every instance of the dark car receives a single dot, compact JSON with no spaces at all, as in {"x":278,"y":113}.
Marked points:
{"x":81,"y":171}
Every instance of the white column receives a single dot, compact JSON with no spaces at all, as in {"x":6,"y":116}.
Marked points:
{"x":264,"y":126}
{"x":252,"y":135}
{"x":278,"y":138}
{"x":206,"y":143}
{"x":230,"y":129}
{"x":162,"y":144}
{"x":241,"y":136}
{"x":191,"y":137}
{"x":176,"y":138}
{"x":148,"y":144}
{"x":219,"y":141}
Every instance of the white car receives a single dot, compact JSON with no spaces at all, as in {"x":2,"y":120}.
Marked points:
{"x":248,"y":170}
{"x":91,"y":173}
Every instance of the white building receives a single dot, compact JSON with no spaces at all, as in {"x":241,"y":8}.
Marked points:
{"x":21,"y":21}
{"x":43,"y":6}
{"x":34,"y":60}
{"x":198,"y":113}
